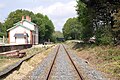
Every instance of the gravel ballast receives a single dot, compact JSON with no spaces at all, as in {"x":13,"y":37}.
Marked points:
{"x":87,"y":71}
{"x":63,"y":69}
{"x":40,"y":73}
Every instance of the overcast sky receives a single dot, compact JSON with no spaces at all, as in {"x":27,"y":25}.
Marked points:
{"x":57,"y":10}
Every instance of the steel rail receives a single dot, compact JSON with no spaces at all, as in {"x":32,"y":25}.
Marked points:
{"x":73,"y":63}
{"x":53,"y":63}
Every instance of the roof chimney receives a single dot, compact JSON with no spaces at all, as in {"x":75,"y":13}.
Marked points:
{"x":28,"y":18}
{"x":22,"y":18}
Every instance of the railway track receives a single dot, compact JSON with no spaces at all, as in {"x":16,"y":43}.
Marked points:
{"x":73,"y":64}
{"x":51,"y":71}
{"x":52,"y":63}
{"x":60,"y":64}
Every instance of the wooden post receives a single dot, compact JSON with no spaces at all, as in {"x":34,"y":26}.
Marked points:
{"x":31,"y":37}
{"x":3,"y":39}
{"x":9,"y":37}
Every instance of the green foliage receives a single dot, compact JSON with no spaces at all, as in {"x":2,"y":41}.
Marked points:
{"x":4,"y":57}
{"x":100,"y":13}
{"x":84,"y":16}
{"x":2,"y":30}
{"x":15,"y":17}
{"x":104,"y":36}
{"x":49,"y":29}
{"x":71,"y":29}
{"x":46,"y":27}
{"x":57,"y":34}
{"x":116,"y":26}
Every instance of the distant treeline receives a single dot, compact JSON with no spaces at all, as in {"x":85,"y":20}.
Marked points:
{"x":96,"y":18}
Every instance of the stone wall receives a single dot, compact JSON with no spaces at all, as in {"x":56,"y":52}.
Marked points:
{"x":14,"y":47}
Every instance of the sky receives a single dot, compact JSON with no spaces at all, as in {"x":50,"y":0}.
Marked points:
{"x":57,"y":10}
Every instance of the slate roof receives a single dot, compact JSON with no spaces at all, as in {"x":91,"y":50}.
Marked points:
{"x":21,"y":35}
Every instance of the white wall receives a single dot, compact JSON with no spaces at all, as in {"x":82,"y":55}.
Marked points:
{"x":32,"y":27}
{"x":18,"y":29}
{"x":36,"y":40}
{"x":28,"y":25}
{"x":20,"y":41}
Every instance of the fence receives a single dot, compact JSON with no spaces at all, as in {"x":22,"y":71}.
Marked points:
{"x":3,"y":40}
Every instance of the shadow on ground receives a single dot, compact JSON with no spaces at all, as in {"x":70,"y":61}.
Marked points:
{"x":82,"y":46}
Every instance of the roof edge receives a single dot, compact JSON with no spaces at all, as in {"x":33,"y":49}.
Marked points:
{"x":16,"y":26}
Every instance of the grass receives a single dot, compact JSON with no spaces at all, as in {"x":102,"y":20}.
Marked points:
{"x":3,"y":57}
{"x":104,"y":58}
{"x":6,"y":61}
{"x":29,"y":65}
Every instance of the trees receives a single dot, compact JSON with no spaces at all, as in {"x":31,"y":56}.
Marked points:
{"x":100,"y":13}
{"x":2,"y":30}
{"x":116,"y":27}
{"x":56,"y":35}
{"x":71,"y":29}
{"x":49,"y":29}
{"x":46,"y":27}
{"x":38,"y":19}
{"x":81,"y":27}
{"x":85,"y":18}
{"x":15,"y":17}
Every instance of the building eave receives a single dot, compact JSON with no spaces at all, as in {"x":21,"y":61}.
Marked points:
{"x":25,"y":21}
{"x":17,"y":26}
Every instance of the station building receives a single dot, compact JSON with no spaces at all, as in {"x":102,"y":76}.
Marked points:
{"x":23,"y":32}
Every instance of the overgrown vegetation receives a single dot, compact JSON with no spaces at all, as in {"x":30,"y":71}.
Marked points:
{"x":102,"y":13}
{"x":104,"y":58}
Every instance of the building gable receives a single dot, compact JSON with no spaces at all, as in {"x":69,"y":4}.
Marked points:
{"x":28,"y":25}
{"x":18,"y":26}
{"x":24,"y":20}
{"x":17,"y":32}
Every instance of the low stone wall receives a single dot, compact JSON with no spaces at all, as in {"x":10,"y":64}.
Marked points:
{"x":14,"y":47}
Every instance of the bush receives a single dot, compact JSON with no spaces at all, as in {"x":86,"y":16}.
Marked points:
{"x":105,"y":40}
